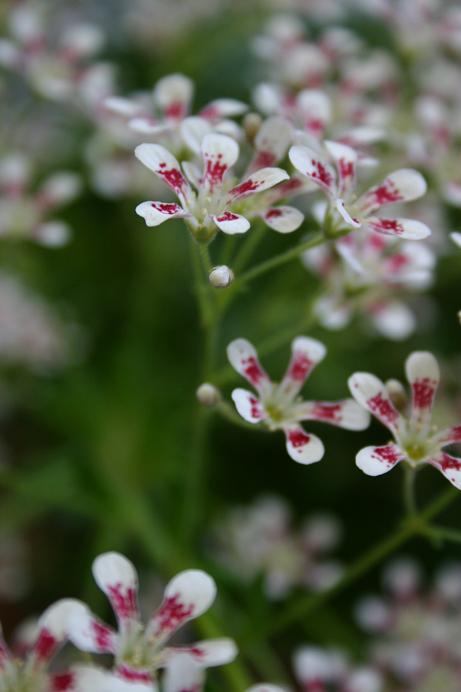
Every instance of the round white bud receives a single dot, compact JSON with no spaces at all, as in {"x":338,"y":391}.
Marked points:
{"x":208,"y":395}
{"x":221,"y":276}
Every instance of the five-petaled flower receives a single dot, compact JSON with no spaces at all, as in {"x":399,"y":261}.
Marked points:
{"x":417,"y":442}
{"x":30,"y":674}
{"x":215,"y":203}
{"x":346,"y":211}
{"x":278,"y":405}
{"x":139,"y":650}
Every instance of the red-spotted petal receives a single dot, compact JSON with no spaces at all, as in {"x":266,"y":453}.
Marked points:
{"x":54,"y":627}
{"x":187,"y":596}
{"x":243,"y":357}
{"x":231,"y":223}
{"x":260,"y":180}
{"x":423,"y":374}
{"x":346,"y":414}
{"x":248,"y":406}
{"x":450,"y":435}
{"x":371,"y":393}
{"x":305,"y":354}
{"x":209,"y":653}
{"x":90,"y":634}
{"x":347,"y":216}
{"x":272,"y":141}
{"x":223,"y":108}
{"x":283,"y":219}
{"x":92,"y":679}
{"x":303,"y":447}
{"x":409,"y":229}
{"x":374,"y":461}
{"x":155,"y":213}
{"x":345,"y":159}
{"x":165,"y":166}
{"x":401,"y":186}
{"x":315,"y":107}
{"x":450,"y":466}
{"x":117,"y":578}
{"x":173,"y":94}
{"x":64,"y":682}
{"x":219,"y":154}
{"x":312,"y":165}
{"x":183,"y":674}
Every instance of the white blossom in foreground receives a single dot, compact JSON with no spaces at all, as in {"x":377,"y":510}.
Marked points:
{"x":24,"y":213}
{"x":278,"y":405}
{"x":140,"y":650}
{"x":347,"y":211}
{"x":215,"y":202}
{"x":417,"y":442}
{"x":260,"y":540}
{"x":31,"y":673}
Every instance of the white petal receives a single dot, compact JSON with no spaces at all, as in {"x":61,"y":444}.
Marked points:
{"x":393,"y":319}
{"x":155,"y":213}
{"x":60,"y":188}
{"x":272,"y":141}
{"x":266,"y":688}
{"x":92,"y":679}
{"x":223,"y":108}
{"x":372,"y":394}
{"x":118,"y":579}
{"x":248,"y":406}
{"x":231,"y":223}
{"x":183,"y":674}
{"x":187,"y":595}
{"x":303,"y":447}
{"x":311,"y":164}
{"x":90,"y":634}
{"x":410,"y":229}
{"x":346,"y":414}
{"x":147,"y":125}
{"x":456,"y":238}
{"x":402,"y":185}
{"x":164,"y":165}
{"x":450,"y":466}
{"x":316,"y":110}
{"x":193,"y":130}
{"x":173,"y":90}
{"x":52,"y":233}
{"x":345,"y":159}
{"x":122,"y":106}
{"x":350,"y":220}
{"x":312,"y":665}
{"x":243,"y":357}
{"x":283,"y":219}
{"x":57,"y":617}
{"x":209,"y":653}
{"x":374,"y":461}
{"x":260,"y":180}
{"x":219,"y":154}
{"x":423,"y":374}
{"x":306,"y":353}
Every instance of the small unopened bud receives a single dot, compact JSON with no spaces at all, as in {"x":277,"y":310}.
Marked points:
{"x":221,"y":276}
{"x":208,"y":394}
{"x":251,"y":124}
{"x":397,"y":394}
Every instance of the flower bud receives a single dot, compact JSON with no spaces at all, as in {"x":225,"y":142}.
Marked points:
{"x":251,"y":124}
{"x":208,"y":395}
{"x":221,"y":276}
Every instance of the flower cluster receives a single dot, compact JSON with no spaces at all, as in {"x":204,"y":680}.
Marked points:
{"x":259,"y":540}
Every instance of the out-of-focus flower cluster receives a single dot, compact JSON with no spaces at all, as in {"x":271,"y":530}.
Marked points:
{"x":260,"y":540}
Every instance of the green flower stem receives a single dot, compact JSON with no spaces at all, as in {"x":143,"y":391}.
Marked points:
{"x":440,"y":534}
{"x":277,"y":261}
{"x":304,"y":606}
{"x":409,"y":490}
{"x":248,"y":247}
